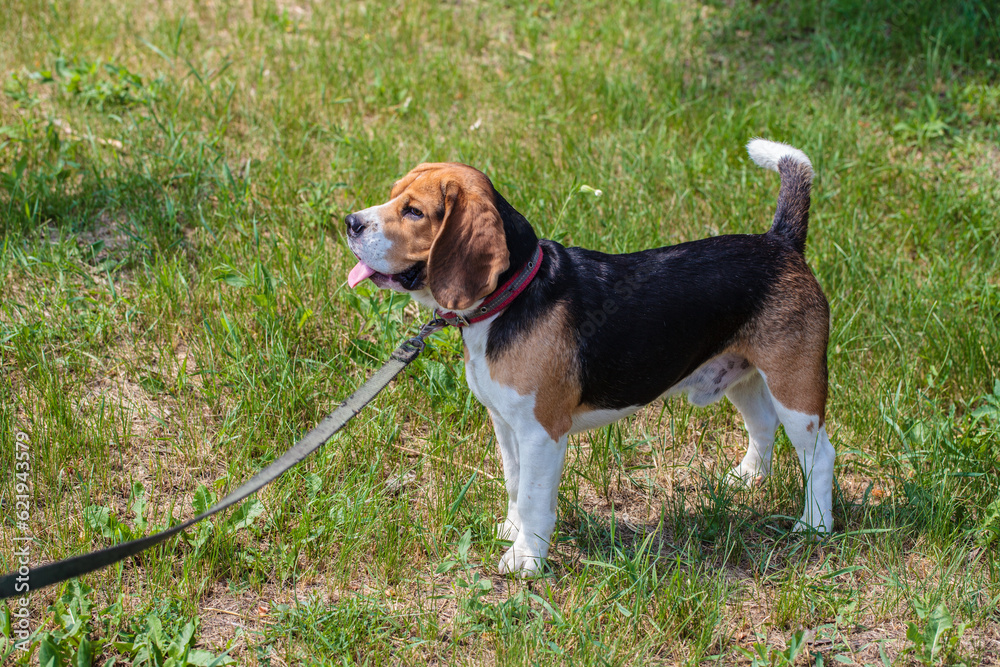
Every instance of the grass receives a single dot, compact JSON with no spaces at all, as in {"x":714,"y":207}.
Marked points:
{"x":174,"y":313}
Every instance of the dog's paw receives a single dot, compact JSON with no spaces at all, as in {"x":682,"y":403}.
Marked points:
{"x":748,"y":476}
{"x":815,"y":522}
{"x":506,"y":530}
{"x":520,"y":565}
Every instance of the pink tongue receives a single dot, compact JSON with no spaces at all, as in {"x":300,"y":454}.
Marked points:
{"x":359,"y":273}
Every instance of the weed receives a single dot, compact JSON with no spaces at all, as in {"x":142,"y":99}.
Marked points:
{"x":160,"y":638}
{"x":764,"y":656}
{"x":924,"y":124}
{"x":937,"y":642}
{"x":104,"y":86}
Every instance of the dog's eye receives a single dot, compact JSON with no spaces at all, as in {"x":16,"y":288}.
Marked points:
{"x":414,"y":213}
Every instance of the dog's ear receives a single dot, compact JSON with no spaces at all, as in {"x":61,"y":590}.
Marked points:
{"x":470,"y":250}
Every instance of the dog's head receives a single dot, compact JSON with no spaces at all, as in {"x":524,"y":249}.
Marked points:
{"x":439,"y":237}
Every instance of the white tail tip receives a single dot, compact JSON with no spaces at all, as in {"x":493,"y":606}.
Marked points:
{"x":767,"y":153}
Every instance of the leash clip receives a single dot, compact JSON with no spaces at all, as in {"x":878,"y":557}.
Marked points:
{"x":433,"y":325}
{"x":450,"y":318}
{"x":412,"y":347}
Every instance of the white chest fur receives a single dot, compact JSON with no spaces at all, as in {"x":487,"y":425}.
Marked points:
{"x":501,"y":400}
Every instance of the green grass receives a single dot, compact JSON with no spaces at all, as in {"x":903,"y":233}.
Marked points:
{"x":174,"y":314}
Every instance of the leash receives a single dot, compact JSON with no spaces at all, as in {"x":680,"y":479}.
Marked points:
{"x":22,"y":581}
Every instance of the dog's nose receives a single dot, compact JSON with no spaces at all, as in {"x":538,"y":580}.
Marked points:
{"x":354,"y":225}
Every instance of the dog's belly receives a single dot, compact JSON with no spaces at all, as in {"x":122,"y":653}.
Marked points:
{"x":584,"y":421}
{"x":707,"y":384}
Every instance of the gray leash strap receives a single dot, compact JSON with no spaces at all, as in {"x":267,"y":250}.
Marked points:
{"x":21,"y":582}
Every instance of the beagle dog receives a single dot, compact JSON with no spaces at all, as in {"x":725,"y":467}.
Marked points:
{"x":560,"y":340}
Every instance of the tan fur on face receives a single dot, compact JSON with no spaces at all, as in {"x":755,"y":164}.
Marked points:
{"x":544,"y":362}
{"x":460,"y":236}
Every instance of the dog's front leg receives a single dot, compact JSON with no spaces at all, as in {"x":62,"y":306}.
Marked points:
{"x":541,"y":462}
{"x":509,"y":528}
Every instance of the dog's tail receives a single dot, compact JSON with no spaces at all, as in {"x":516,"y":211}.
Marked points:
{"x":791,"y":219}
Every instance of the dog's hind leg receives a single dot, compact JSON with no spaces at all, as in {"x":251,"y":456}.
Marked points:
{"x":754,"y":402}
{"x":788,"y":347}
{"x":816,"y":456}
{"x":796,"y":378}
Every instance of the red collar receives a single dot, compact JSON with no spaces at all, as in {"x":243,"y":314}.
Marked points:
{"x":500,"y":298}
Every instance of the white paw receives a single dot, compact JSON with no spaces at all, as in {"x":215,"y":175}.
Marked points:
{"x":749,"y":476}
{"x":521,"y":565}
{"x":507,"y":530}
{"x":816,"y":521}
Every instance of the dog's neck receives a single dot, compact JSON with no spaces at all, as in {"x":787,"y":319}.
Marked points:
{"x":501,"y":298}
